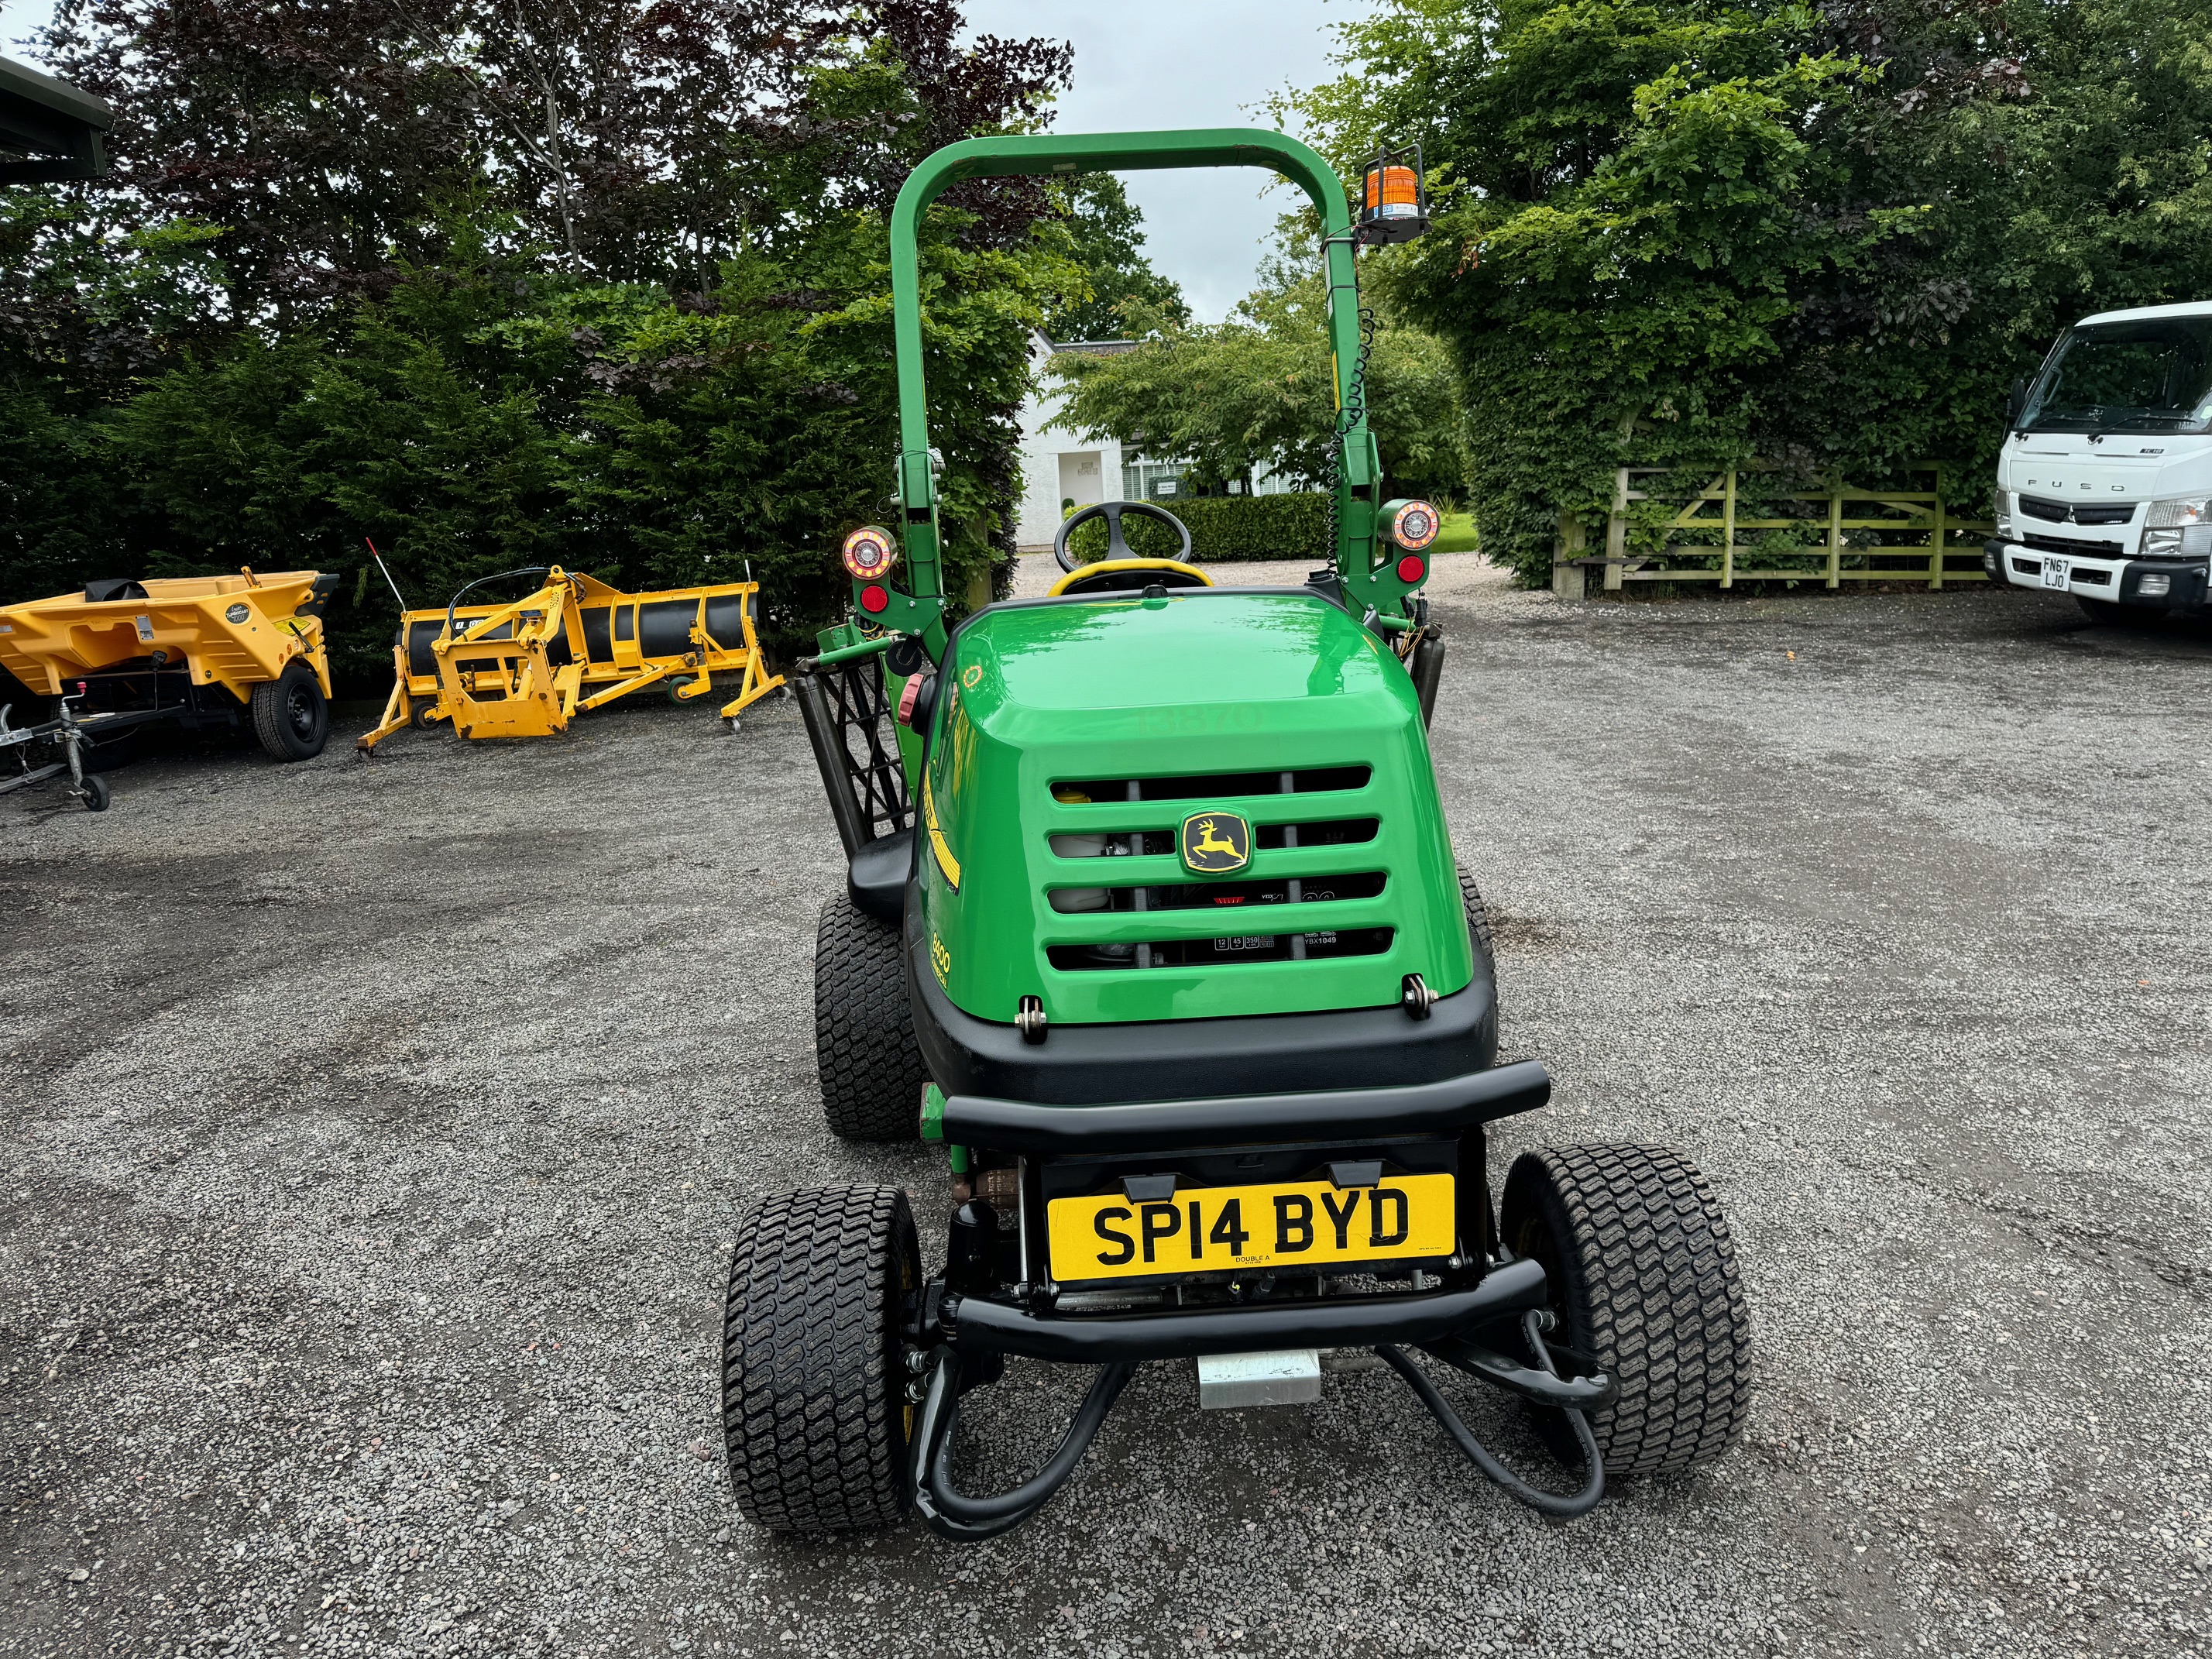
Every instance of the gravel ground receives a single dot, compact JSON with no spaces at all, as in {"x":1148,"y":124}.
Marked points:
{"x":374,"y":1135}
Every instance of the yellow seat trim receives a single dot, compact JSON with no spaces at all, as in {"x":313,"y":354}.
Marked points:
{"x":1105,"y":565}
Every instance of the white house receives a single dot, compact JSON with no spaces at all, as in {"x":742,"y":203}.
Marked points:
{"x":1057,"y":467}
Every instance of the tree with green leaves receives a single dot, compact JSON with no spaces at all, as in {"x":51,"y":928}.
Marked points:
{"x":341,"y":287}
{"x":1119,"y":291}
{"x":1258,"y":392}
{"x":1826,"y":235}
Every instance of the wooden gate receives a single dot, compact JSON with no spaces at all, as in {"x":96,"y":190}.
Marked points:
{"x":1841,"y":533}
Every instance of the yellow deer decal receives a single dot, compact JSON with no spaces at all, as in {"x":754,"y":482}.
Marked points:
{"x":1208,"y":842}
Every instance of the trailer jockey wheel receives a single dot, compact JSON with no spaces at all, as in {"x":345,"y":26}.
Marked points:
{"x":815,"y":1418}
{"x":1123,"y":569}
{"x":1643,"y":1278}
{"x":291,"y":715}
{"x":95,"y":793}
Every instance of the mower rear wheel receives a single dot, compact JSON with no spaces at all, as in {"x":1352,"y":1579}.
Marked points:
{"x":291,"y":715}
{"x":864,"y":1045}
{"x":1643,"y":1278}
{"x":1478,"y":921}
{"x":815,"y":1419}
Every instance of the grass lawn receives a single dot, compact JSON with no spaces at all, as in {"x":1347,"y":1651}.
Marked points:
{"x":1457,"y":535}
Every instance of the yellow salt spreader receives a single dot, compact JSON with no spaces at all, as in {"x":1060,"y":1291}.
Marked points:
{"x":524,"y":668}
{"x":192,"y":651}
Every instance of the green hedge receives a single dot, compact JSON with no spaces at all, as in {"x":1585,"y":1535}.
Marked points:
{"x":1225,"y":529}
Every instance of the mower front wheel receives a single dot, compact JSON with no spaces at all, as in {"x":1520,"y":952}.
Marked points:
{"x":1642,"y":1278}
{"x":814,"y":1417}
{"x":863,"y":1044}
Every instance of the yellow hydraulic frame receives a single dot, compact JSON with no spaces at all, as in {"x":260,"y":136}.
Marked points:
{"x":521,"y":670}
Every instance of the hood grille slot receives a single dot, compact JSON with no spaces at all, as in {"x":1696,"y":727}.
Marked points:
{"x":1161,"y":843}
{"x":1222,"y":950}
{"x":1225,"y":896}
{"x":1303,"y":781}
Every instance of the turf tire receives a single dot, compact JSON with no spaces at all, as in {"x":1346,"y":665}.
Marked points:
{"x":815,"y":1419}
{"x":1477,"y":923}
{"x":863,"y":1046}
{"x":1643,"y":1278}
{"x":291,"y":716}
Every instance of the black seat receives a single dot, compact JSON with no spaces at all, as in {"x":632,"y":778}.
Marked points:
{"x":876,"y":876}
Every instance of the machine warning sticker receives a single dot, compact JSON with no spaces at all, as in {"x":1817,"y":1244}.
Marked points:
{"x":1214,"y":843}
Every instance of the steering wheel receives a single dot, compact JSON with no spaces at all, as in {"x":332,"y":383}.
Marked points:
{"x":1118,"y":550}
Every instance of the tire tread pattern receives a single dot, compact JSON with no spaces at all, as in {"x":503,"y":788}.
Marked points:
{"x":865,"y":1050}
{"x":813,"y":1408}
{"x":1650,"y":1289}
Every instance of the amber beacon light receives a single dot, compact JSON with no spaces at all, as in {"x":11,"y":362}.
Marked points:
{"x":869,"y":553}
{"x":1396,"y":205}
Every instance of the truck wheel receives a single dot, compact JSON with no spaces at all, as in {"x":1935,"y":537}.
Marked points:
{"x":815,"y":1418}
{"x":1643,"y":1278}
{"x":291,"y":715}
{"x":864,"y":1047}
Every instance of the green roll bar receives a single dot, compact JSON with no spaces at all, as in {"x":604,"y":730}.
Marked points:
{"x":920,"y":611}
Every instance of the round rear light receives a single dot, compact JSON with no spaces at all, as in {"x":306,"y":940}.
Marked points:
{"x":1412,"y":568}
{"x":873,"y":598}
{"x":1414,"y":524}
{"x":870,"y":553}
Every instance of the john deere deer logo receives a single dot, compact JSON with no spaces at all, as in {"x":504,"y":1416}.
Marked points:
{"x":1214,"y":843}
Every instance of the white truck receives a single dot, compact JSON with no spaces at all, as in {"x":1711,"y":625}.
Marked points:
{"x":2105,"y":483}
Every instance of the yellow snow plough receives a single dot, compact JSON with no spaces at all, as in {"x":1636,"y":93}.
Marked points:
{"x":524,"y":668}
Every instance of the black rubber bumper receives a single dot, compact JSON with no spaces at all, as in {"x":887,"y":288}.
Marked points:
{"x":1438,"y":1109}
{"x":1176,"y":1060}
{"x":986,"y":1328}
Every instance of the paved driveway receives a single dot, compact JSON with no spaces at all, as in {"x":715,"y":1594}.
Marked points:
{"x":373,"y":1136}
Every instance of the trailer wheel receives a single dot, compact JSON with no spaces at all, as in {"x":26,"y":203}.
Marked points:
{"x":864,"y":1045}
{"x":815,"y":1419}
{"x":291,"y":715}
{"x":424,"y":717}
{"x":95,"y":793}
{"x":1643,"y":1278}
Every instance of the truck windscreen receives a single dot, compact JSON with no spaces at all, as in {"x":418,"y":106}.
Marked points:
{"x":2154,"y":375}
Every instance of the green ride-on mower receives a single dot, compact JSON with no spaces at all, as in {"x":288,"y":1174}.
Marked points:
{"x":1152,"y":921}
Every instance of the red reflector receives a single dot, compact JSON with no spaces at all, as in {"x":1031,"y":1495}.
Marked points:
{"x":1411,"y":569}
{"x":873,"y":598}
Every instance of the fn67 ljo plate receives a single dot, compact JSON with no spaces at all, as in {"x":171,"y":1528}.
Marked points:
{"x":1216,"y":1229}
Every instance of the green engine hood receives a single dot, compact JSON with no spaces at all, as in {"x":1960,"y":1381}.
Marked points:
{"x":1277,"y":709}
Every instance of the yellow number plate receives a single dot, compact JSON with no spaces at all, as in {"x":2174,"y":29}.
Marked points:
{"x":1215,"y":1229}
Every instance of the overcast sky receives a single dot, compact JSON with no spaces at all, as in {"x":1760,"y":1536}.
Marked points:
{"x":1139,"y":63}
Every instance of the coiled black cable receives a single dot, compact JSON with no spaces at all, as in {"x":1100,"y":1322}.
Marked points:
{"x":1350,"y":415}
